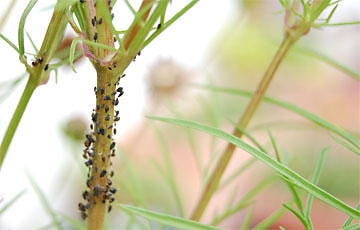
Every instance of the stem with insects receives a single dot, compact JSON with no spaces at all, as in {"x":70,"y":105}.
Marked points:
{"x":99,"y":143}
{"x":38,"y":73}
{"x":292,"y":34}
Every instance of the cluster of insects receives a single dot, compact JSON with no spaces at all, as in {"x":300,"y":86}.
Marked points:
{"x":38,"y":61}
{"x":96,"y":192}
{"x":96,"y":153}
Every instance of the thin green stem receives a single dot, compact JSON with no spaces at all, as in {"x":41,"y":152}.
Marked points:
{"x":15,"y":120}
{"x":219,"y":170}
{"x":38,"y":73}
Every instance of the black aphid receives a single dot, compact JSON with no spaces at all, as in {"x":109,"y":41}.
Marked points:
{"x":81,"y":207}
{"x":112,"y":145}
{"x":85,"y":195}
{"x":114,"y":131}
{"x":46,"y":67}
{"x":102,"y":90}
{"x":115,"y":102}
{"x":83,"y":215}
{"x":89,"y":162}
{"x":94,"y":117}
{"x":103,"y":159}
{"x":90,"y":137}
{"x":93,"y":21}
{"x":158,"y":26}
{"x":102,"y":131}
{"x":112,"y":190}
{"x":107,"y":97}
{"x":106,"y":109}
{"x":99,"y":21}
{"x":95,"y":36}
{"x":103,"y":173}
{"x":109,"y":208}
{"x":96,"y":190}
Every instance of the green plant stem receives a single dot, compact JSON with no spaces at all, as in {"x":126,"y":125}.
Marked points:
{"x":37,"y":75}
{"x":15,"y":120}
{"x":219,"y":170}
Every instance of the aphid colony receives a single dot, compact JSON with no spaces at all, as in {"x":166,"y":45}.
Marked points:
{"x":95,"y":192}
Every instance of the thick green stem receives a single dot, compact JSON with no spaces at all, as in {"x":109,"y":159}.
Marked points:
{"x":217,"y":173}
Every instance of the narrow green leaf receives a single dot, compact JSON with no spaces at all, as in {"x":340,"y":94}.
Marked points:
{"x":26,"y":12}
{"x":297,"y":214}
{"x":55,"y":222}
{"x":324,"y":58}
{"x":267,"y":222}
{"x":315,"y":180}
{"x":350,"y":219}
{"x":166,"y":219}
{"x":170,"y":173}
{"x":280,"y":168}
{"x":346,"y":144}
{"x":12,"y":201}
{"x":9,"y":42}
{"x":352,"y":227}
{"x":291,"y":107}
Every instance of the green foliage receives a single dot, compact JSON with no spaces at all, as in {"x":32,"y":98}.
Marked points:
{"x":297,"y":24}
{"x":165,"y":219}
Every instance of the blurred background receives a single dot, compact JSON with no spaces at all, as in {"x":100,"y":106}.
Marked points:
{"x":227,"y":44}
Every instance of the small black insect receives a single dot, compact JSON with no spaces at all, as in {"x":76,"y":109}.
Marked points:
{"x":46,"y":67}
{"x":115,"y":102}
{"x":112,"y":190}
{"x":90,"y":137}
{"x":81,"y":207}
{"x":102,"y":90}
{"x":158,"y":26}
{"x":93,"y":21}
{"x":89,"y":162}
{"x":103,"y":173}
{"x":99,"y":21}
{"x":95,"y":36}
{"x":112,"y":145}
{"x":117,"y":119}
{"x":94,"y":117}
{"x":85,"y":195}
{"x":109,"y":208}
{"x":106,"y":109}
{"x":83,"y":215}
{"x":107,"y":97}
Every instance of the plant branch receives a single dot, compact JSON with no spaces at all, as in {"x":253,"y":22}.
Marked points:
{"x":295,"y":28}
{"x":219,"y":170}
{"x":38,"y":73}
